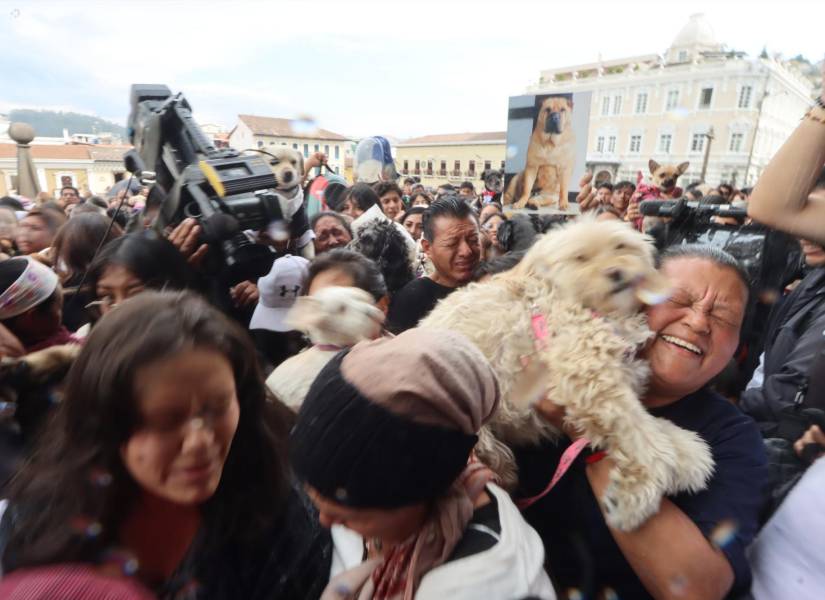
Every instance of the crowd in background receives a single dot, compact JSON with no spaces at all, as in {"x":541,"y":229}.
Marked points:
{"x":167,"y":433}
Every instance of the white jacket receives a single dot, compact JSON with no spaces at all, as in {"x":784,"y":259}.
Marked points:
{"x":513,"y":568}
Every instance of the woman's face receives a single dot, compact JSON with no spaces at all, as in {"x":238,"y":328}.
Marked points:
{"x":188,"y":414}
{"x":351,"y":208}
{"x":697,"y":329}
{"x":116,"y":285}
{"x":490,"y":228}
{"x":413,"y":224}
{"x":420,"y":200}
{"x":391,"y":525}
{"x":392,"y":205}
{"x":33,"y":235}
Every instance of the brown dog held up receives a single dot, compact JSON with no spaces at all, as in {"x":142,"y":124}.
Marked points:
{"x":664,"y":177}
{"x":550,"y":158}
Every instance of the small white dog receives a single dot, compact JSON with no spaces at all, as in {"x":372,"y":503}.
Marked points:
{"x":585,"y":283}
{"x":334,"y":318}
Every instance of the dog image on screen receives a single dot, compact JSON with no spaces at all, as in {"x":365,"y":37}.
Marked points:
{"x":551,"y":156}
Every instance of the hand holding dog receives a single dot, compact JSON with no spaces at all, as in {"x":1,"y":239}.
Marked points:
{"x":185,"y":238}
{"x":315,"y":160}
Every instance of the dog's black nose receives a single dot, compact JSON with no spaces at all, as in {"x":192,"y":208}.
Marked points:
{"x":287,"y":177}
{"x":615,"y":275}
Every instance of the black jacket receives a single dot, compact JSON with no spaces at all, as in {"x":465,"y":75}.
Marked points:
{"x":795,"y":335}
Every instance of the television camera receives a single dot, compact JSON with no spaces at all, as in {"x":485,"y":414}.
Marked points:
{"x":226,"y":191}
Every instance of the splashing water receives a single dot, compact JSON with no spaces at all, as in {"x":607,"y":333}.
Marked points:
{"x":304,"y":125}
{"x":724,"y":533}
{"x":512,"y":151}
{"x":86,"y":526}
{"x":124,"y":560}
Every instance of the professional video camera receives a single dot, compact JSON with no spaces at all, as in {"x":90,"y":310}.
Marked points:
{"x":770,"y":257}
{"x":227,"y":192}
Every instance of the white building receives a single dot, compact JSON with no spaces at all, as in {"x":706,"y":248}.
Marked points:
{"x":664,"y":107}
{"x":268,"y":132}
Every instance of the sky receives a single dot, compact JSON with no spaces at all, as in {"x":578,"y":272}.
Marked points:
{"x":366,"y":67}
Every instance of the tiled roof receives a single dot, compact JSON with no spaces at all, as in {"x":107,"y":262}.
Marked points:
{"x":108,"y":153}
{"x":457,"y":138}
{"x":283,"y":128}
{"x":65,"y":152}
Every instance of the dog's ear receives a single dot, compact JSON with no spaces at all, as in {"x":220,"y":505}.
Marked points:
{"x":683,"y":167}
{"x":653,"y":165}
{"x":306,"y":313}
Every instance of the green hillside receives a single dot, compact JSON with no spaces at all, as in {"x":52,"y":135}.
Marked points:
{"x":49,"y":123}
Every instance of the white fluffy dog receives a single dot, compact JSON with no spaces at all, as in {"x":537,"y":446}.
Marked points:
{"x":587,"y":282}
{"x":334,"y":318}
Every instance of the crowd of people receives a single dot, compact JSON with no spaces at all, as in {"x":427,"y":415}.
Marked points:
{"x":167,"y":434}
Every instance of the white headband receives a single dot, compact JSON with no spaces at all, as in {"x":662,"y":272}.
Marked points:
{"x":36,"y":284}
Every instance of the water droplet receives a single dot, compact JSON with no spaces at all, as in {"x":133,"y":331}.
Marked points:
{"x":574,"y":594}
{"x":610,"y":594}
{"x":678,"y":585}
{"x":304,"y":125}
{"x":679,"y":113}
{"x":100,"y":477}
{"x":512,"y":151}
{"x":122,"y":559}
{"x":724,"y":533}
{"x":86,"y":526}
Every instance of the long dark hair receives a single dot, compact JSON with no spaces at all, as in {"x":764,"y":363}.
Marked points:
{"x":76,"y":479}
{"x":76,"y":242}
{"x":151,"y":258}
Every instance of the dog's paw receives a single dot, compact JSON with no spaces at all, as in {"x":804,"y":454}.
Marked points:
{"x":692,"y":465}
{"x":628,"y":503}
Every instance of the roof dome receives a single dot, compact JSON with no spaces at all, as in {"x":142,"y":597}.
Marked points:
{"x":697,"y":32}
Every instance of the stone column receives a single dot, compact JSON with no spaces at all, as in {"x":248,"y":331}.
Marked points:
{"x":27,"y":184}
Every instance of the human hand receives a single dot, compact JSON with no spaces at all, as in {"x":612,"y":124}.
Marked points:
{"x":814,"y":435}
{"x":244,"y":294}
{"x":586,"y":198}
{"x":633,"y":211}
{"x":185,"y":238}
{"x":316,"y":159}
{"x":10,"y":345}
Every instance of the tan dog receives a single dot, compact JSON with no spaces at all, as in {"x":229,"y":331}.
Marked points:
{"x":550,"y":158}
{"x":588,"y":281}
{"x":664,"y":177}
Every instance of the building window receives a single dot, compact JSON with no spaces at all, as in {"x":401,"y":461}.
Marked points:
{"x":418,"y":167}
{"x":336,"y":171}
{"x":306,"y":150}
{"x":337,"y":152}
{"x":606,"y":106}
{"x":429,"y":167}
{"x":488,"y":165}
{"x":326,"y":149}
{"x":635,"y":144}
{"x":705,"y":97}
{"x":736,"y":140}
{"x":406,"y":167}
{"x":317,"y":147}
{"x":471,"y":169}
{"x":745,"y":94}
{"x":457,"y":168}
{"x":600,"y":144}
{"x":665,"y":140}
{"x":294,"y":146}
{"x":683,"y":55}
{"x":672,"y":100}
{"x":443,"y":170}
{"x":697,"y":142}
{"x":611,"y":144}
{"x":617,"y":105}
{"x":260,"y":144}
{"x":641,"y":103}
{"x":502,"y":166}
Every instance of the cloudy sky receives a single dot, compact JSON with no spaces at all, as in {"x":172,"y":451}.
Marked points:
{"x":360,"y":67}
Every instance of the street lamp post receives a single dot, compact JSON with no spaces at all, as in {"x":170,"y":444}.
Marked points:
{"x":709,"y":137}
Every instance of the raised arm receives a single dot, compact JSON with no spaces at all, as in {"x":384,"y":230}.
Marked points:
{"x":783,"y":196}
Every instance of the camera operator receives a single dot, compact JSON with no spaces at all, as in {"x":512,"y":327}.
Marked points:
{"x":783,"y":196}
